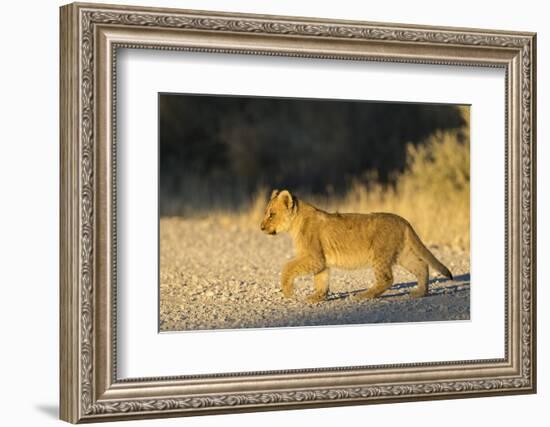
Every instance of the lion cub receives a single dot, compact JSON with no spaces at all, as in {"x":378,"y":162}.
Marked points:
{"x":323,"y":240}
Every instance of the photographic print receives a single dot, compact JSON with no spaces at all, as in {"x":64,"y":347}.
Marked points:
{"x":279,"y":212}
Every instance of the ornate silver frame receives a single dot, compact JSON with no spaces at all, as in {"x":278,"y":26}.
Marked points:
{"x":90,"y":36}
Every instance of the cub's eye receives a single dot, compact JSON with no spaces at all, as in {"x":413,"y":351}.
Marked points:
{"x":272,"y":214}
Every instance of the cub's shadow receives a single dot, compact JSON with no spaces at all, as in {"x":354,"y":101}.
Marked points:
{"x":459,"y":284}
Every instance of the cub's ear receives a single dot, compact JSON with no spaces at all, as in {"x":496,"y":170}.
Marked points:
{"x":287,"y":198}
{"x":274,"y":194}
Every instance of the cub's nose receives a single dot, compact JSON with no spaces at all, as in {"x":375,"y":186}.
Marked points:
{"x":262,"y":226}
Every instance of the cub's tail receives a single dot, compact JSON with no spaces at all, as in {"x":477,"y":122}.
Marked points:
{"x":423,"y":252}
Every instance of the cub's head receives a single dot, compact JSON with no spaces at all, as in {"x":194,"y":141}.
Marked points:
{"x":279,"y":212}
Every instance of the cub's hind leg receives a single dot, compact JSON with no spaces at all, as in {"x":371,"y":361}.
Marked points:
{"x":320,"y":281}
{"x":419,"y":268}
{"x":384,"y":279}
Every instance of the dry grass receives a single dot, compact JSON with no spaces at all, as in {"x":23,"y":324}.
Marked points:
{"x":433,"y":193}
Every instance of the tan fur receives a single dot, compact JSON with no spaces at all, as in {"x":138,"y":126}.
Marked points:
{"x":323,"y":240}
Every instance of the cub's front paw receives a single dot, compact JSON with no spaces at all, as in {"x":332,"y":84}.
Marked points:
{"x":316,"y":298}
{"x":288,"y":292}
{"x":418,"y":293}
{"x":363,"y":295}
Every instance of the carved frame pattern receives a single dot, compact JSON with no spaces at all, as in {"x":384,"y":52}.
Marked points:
{"x":79,"y":399}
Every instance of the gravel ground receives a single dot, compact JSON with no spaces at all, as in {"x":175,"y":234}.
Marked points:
{"x":226,"y":277}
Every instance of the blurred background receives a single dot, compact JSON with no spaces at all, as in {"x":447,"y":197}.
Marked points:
{"x":220,"y":156}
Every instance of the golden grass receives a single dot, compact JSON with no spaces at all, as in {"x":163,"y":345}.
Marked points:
{"x":433,"y":193}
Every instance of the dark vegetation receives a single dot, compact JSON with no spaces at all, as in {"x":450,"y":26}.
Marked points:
{"x":217,"y":151}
